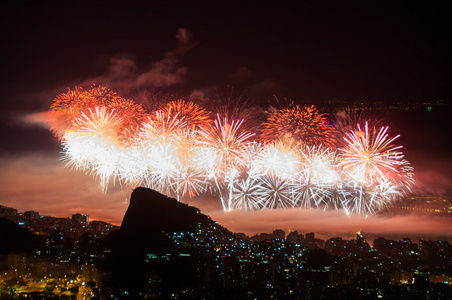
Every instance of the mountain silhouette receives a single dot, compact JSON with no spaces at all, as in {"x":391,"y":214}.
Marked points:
{"x":144,"y":246}
{"x":16,"y":239}
{"x":150,"y":211}
{"x":150,"y":217}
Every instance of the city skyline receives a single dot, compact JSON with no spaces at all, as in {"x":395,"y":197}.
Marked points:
{"x":311,"y":55}
{"x":388,"y":225}
{"x":156,"y":252}
{"x":425,"y":229}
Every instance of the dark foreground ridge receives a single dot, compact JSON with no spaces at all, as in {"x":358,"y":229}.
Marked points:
{"x":152,"y":218}
{"x":163,"y":245}
{"x":16,"y":239}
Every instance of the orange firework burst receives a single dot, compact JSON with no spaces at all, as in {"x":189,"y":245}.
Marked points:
{"x":69,"y":106}
{"x":371,"y":156}
{"x":191,"y":113}
{"x":304,"y":125}
{"x":131,"y":112}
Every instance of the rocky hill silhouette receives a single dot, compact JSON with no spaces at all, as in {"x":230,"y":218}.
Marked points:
{"x":143,"y":247}
{"x":150,"y":211}
{"x":150,"y":217}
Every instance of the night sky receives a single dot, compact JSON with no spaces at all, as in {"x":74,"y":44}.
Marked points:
{"x":309,"y":51}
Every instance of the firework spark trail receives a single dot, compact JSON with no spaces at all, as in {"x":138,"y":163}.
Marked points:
{"x":317,"y":176}
{"x":371,"y":157}
{"x":180,"y":151}
{"x":275,"y":158}
{"x":276,"y":192}
{"x":69,"y":106}
{"x":191,"y":113}
{"x":222,"y":148}
{"x":371,"y":162}
{"x":246,"y":194}
{"x":189,"y":182}
{"x":92,"y":144}
{"x":225,"y":141}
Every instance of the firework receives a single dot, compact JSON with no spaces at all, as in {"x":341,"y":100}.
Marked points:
{"x":72,"y":105}
{"x":92,"y":143}
{"x":347,"y":120}
{"x":189,"y":182}
{"x":302,"y":124}
{"x":131,"y":113}
{"x":247,"y":194}
{"x":189,"y":112}
{"x":371,"y":157}
{"x":317,"y":176}
{"x":366,"y":199}
{"x":158,"y":150}
{"x":222,"y":153}
{"x":223,"y":145}
{"x":236,"y":107}
{"x":374,"y":168}
{"x":276,"y":192}
{"x":275,"y":158}
{"x":66,"y":108}
{"x":179,"y":151}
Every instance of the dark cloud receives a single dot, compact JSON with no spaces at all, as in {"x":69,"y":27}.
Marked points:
{"x":266,"y":87}
{"x":242,"y":74}
{"x":186,"y":43}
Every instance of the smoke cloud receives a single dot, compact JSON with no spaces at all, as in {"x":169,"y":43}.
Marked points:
{"x":33,"y":119}
{"x":124,"y":74}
